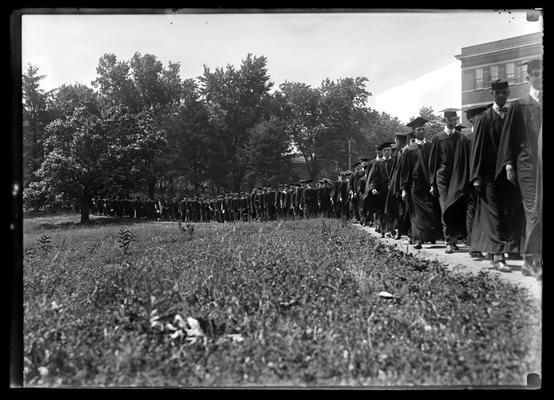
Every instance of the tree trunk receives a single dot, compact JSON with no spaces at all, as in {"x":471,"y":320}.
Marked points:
{"x":85,"y":206}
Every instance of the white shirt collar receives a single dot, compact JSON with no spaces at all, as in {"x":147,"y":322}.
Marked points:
{"x":496,"y":107}
{"x":534,"y":93}
{"x":379,"y":158}
{"x":419,"y":141}
{"x":448,"y":131}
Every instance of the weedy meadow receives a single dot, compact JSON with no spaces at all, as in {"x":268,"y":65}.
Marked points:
{"x":293,"y":303}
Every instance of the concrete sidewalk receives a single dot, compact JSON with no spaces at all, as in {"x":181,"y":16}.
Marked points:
{"x":461,"y":261}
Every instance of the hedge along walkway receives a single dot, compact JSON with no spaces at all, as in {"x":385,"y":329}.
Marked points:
{"x":461,"y":261}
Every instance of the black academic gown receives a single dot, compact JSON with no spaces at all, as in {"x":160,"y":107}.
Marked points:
{"x":459,"y":207}
{"x":424,"y":214}
{"x":519,"y":146}
{"x":396,"y":209}
{"x":497,"y":225}
{"x":441,"y":167}
{"x":378,"y":179}
{"x":369,"y":202}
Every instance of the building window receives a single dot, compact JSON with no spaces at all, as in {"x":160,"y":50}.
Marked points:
{"x":478,"y":78}
{"x":486,"y":76}
{"x":510,"y":72}
{"x":523,"y":73}
{"x":494,"y":72}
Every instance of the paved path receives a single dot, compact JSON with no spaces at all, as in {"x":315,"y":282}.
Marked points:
{"x":461,"y":261}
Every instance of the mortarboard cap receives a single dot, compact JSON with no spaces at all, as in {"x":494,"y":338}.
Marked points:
{"x":460,"y":127}
{"x":532,"y":64}
{"x":499,"y":84}
{"x":416,"y":123}
{"x":306,"y":181}
{"x":401,"y":134}
{"x":384,"y":145}
{"x":362,"y":159}
{"x":472,"y":112}
{"x":449,"y":112}
{"x":356,"y":163}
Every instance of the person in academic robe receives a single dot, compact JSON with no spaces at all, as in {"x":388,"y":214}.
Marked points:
{"x":353,"y":191}
{"x":395,"y":208}
{"x":519,"y":160}
{"x":368,"y":205}
{"x":423,"y":212}
{"x":360,"y":188}
{"x":377,"y":188}
{"x":462,"y":196}
{"x":441,"y":166}
{"x":495,"y":230}
{"x":344,"y":200}
{"x":333,"y":194}
{"x":324,"y":198}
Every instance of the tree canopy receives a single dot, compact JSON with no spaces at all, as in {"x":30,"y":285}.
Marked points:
{"x":140,"y":128}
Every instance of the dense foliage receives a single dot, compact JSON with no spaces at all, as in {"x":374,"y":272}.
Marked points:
{"x":290,"y":303}
{"x":226,"y":130}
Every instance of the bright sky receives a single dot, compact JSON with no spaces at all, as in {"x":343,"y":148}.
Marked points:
{"x":407,"y":56}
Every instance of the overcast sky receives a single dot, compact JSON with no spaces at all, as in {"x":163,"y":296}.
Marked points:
{"x":408,"y":57}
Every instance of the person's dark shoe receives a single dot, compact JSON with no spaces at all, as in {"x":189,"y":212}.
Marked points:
{"x":455,"y":247}
{"x":418,"y":245}
{"x":382,"y":235}
{"x":410,"y":241}
{"x":398,"y":236}
{"x":376,"y":229}
{"x":476,"y":254}
{"x":501,"y":266}
{"x":433,"y":242}
{"x":449,"y":249}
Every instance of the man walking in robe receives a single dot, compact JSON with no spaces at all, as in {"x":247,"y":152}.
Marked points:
{"x":489,"y":233}
{"x":368,"y":206}
{"x":377,"y":188}
{"x":441,"y":163}
{"x":424,"y":214}
{"x":395,"y":208}
{"x":353,"y":191}
{"x":520,"y":161}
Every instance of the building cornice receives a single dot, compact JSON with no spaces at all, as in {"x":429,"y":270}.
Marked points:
{"x":523,"y":45}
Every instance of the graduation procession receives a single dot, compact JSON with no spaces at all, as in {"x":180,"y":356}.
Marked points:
{"x":277,"y":198}
{"x":480,"y":186}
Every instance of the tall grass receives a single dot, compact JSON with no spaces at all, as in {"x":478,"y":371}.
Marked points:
{"x":301,"y":295}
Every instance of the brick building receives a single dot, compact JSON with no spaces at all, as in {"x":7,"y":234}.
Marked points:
{"x":486,"y":62}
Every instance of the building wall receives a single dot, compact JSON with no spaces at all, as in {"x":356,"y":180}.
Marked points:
{"x":486,"y":62}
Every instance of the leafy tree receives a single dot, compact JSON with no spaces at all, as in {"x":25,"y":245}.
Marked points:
{"x":85,"y":152}
{"x":240,"y":97}
{"x":190,"y":138}
{"x":304,"y":122}
{"x":378,"y":128}
{"x":67,"y":98}
{"x":35,"y":118}
{"x":142,"y":84}
{"x":269,"y":154}
{"x":345,"y":112}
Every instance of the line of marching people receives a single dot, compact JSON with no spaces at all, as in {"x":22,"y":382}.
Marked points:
{"x":482,"y":186}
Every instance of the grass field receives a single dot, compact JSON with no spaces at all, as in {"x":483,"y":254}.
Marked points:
{"x":278,"y":304}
